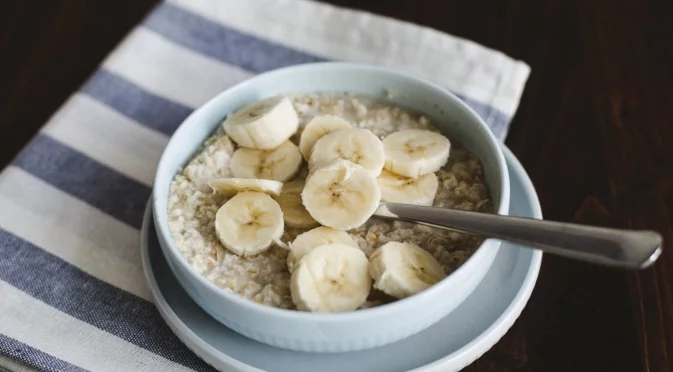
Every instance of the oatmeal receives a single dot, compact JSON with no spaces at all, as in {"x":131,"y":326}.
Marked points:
{"x":264,"y":277}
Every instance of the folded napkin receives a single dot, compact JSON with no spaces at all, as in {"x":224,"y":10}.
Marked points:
{"x":72,"y":291}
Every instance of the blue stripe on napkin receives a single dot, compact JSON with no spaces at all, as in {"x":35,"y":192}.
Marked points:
{"x":84,"y":178}
{"x":496,"y":120}
{"x":129,"y":100}
{"x":89,"y":299}
{"x":24,"y":353}
{"x":223,"y":43}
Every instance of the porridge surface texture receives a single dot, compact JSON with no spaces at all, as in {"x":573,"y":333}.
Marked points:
{"x":264,"y":278}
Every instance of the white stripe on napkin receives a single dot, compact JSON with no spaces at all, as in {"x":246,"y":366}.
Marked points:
{"x":72,"y":230}
{"x":460,"y":65}
{"x":41,"y":326}
{"x":103,"y":134}
{"x":162,"y":67}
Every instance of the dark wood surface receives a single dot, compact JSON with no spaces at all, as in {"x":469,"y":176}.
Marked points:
{"x":594,"y":130}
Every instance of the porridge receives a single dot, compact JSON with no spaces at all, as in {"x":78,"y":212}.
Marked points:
{"x":263,"y":243}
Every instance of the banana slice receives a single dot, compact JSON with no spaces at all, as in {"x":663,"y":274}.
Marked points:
{"x":407,"y":190}
{"x":306,"y":242}
{"x":341,"y":194}
{"x":415,"y":152}
{"x":318,"y":127}
{"x":264,"y":124}
{"x":359,"y":146}
{"x":232,"y":186}
{"x":404,"y":269}
{"x":294,"y":213}
{"x":331,"y":278}
{"x":280,"y":164}
{"x":249,"y":223}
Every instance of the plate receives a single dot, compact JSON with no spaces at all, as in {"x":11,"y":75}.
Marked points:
{"x":449,"y":345}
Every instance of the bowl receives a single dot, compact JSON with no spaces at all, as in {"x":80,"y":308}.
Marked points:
{"x":349,"y":331}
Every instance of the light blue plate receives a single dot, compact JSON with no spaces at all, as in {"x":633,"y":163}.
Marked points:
{"x":449,"y":345}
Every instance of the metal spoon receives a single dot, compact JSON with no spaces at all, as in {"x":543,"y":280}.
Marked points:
{"x":611,"y":247}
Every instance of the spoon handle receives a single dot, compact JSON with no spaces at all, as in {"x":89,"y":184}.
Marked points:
{"x":611,"y":247}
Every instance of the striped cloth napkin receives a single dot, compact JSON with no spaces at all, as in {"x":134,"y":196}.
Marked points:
{"x":72,"y":291}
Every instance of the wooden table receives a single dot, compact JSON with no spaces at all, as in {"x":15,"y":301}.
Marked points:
{"x":594,"y":130}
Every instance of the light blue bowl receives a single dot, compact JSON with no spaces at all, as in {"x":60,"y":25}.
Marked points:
{"x":360,"y":329}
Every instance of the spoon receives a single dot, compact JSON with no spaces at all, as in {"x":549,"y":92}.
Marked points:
{"x":611,"y":247}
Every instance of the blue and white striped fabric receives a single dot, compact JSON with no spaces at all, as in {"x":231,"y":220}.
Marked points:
{"x":72,"y":292}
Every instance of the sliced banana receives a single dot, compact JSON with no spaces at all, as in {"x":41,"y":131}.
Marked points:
{"x":280,"y":164}
{"x":404,"y":269}
{"x":232,"y":186}
{"x":318,"y":127}
{"x":294,"y":212}
{"x":306,"y":242}
{"x":264,"y":124}
{"x":407,"y":190}
{"x":331,"y":278}
{"x":359,"y":146}
{"x":415,"y":152}
{"x":249,"y":223}
{"x":341,"y":194}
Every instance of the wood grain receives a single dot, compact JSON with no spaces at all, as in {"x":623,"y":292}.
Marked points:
{"x":593,"y":131}
{"x":47,"y":52}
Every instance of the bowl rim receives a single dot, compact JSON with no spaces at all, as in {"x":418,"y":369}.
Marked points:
{"x":362,"y":314}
